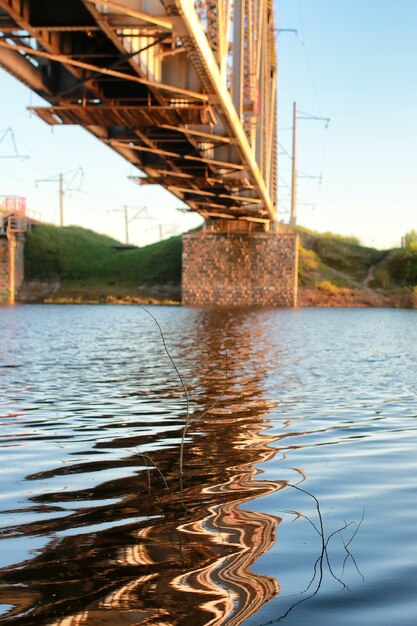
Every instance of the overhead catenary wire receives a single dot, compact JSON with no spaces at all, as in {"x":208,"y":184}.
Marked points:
{"x":8,"y":132}
{"x":38,"y":169}
{"x":83,"y":189}
{"x":302,"y":115}
{"x":62,"y":188}
{"x":284,"y":182}
{"x":309,"y":116}
{"x":284,"y":151}
{"x":302,"y":41}
{"x":296,"y":173}
{"x":141,"y":213}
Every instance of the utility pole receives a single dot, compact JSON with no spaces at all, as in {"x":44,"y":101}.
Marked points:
{"x":61,"y":192}
{"x":301,"y":116}
{"x":126,"y":224}
{"x":60,"y":178}
{"x":165,"y":230}
{"x":61,"y":200}
{"x":293,"y":217}
{"x":141,"y":213}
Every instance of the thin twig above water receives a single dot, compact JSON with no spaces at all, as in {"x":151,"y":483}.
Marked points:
{"x":324,"y":556}
{"x":188,"y":418}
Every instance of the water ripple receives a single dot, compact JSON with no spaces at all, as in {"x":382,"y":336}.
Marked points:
{"x":94,"y":527}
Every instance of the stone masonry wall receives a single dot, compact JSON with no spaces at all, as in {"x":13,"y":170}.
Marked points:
{"x":19,"y":271}
{"x":239,"y":269}
{"x":5,"y":268}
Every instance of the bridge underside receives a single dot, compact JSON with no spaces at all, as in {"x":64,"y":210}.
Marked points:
{"x":185,"y":91}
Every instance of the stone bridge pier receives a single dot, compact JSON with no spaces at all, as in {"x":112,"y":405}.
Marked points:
{"x":229,"y":263}
{"x":11,"y":264}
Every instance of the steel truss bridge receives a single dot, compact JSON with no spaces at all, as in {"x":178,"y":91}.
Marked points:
{"x":183,"y":89}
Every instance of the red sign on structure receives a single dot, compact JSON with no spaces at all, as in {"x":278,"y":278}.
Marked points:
{"x":14,"y":204}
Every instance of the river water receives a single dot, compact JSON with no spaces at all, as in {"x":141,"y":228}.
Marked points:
{"x":297,"y":500}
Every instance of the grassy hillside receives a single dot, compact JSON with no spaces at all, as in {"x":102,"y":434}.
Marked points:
{"x":347,"y":263}
{"x":332,"y":257}
{"x":83,"y":264}
{"x":74,"y":254}
{"x":67,"y":253}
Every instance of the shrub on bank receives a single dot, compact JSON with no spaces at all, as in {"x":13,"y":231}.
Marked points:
{"x":328,"y":287}
{"x":399,"y":268}
{"x":308,"y":266}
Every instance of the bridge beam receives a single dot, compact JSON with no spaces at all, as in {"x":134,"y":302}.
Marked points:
{"x":175,"y":86}
{"x":221,"y":97}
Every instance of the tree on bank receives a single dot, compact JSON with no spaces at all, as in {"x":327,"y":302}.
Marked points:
{"x":410,"y":240}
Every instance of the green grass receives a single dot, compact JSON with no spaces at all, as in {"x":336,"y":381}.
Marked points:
{"x":74,"y":254}
{"x":67,"y":253}
{"x":399,"y":268}
{"x":309,"y":266}
{"x":329,"y":257}
{"x":84,"y":260}
{"x":157,"y":264}
{"x":349,"y":258}
{"x":328,"y":254}
{"x":301,"y":230}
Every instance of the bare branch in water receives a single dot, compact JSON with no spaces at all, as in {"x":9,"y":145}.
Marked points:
{"x":147,"y":468}
{"x":188,"y":417}
{"x":157,"y":468}
{"x":187,"y":398}
{"x":324,"y":555}
{"x":146,"y":457}
{"x":174,"y":365}
{"x":348,"y":553}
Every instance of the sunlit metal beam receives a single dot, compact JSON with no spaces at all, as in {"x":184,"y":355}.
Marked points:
{"x":162,"y":22}
{"x":68,"y":60}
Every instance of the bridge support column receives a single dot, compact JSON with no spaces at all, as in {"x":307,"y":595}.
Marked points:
{"x":11,"y":267}
{"x":239,"y":269}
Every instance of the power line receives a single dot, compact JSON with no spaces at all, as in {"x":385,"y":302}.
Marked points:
{"x":295,"y":173}
{"x":8,"y":132}
{"x":309,"y":116}
{"x":284,"y":182}
{"x":141,"y":213}
{"x":284,"y":150}
{"x":62,"y":188}
{"x":306,"y":56}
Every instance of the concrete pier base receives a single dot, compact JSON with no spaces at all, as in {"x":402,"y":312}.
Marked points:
{"x":239,"y":269}
{"x":11,"y":267}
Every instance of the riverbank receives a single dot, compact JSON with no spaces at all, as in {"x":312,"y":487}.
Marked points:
{"x":74,"y":266}
{"x":357,"y":298}
{"x":307,"y":296}
{"x":90,"y":292}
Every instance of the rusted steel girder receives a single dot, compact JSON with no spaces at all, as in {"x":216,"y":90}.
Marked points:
{"x":162,"y":83}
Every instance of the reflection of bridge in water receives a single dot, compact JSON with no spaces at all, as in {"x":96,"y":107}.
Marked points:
{"x":185,"y":91}
{"x":174,"y":566}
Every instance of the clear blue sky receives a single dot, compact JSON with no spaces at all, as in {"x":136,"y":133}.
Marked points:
{"x":358,"y":67}
{"x":353,"y":61}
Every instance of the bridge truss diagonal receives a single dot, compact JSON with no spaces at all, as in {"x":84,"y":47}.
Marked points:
{"x":185,"y":90}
